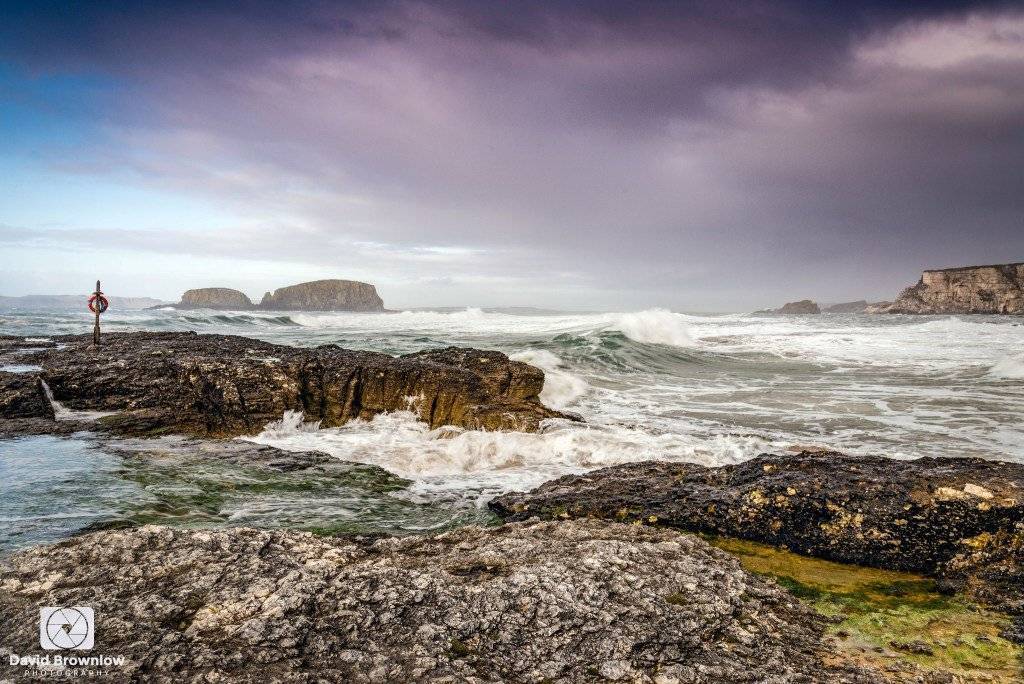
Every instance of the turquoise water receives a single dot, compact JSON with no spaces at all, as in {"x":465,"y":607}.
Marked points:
{"x":51,"y":487}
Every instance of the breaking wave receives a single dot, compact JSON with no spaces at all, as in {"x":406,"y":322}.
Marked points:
{"x":655,"y":326}
{"x":561,"y":387}
{"x":480,"y":464}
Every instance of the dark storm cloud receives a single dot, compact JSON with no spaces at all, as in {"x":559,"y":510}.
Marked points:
{"x":685,"y":152}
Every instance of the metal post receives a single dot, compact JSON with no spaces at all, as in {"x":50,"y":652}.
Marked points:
{"x":96,"y":328}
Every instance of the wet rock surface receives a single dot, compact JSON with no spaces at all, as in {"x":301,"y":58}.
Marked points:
{"x":221,"y":385}
{"x":542,"y":602}
{"x":958,"y":519}
{"x":22,"y":396}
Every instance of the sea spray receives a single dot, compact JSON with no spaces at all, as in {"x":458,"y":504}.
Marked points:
{"x":472,"y":464}
{"x":654,"y":326}
{"x":561,"y":388}
{"x":291,"y":422}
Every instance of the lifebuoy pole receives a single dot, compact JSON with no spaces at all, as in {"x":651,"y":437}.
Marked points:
{"x":96,"y":328}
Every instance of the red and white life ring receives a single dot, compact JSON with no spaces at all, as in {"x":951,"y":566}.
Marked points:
{"x":98,"y":303}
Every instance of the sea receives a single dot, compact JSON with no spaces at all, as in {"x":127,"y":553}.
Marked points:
{"x":711,"y":389}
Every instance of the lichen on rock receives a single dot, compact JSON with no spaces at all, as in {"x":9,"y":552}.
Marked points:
{"x":556,"y":602}
{"x":957,"y":519}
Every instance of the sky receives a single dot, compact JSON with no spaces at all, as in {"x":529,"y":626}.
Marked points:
{"x":697,"y":156}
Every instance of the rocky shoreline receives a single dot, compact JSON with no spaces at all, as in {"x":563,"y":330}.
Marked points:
{"x":146,"y":383}
{"x":610,"y":584}
{"x":960,"y":520}
{"x":566,"y":602}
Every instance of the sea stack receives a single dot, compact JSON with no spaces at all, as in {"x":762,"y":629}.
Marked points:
{"x":804,"y":306}
{"x":214,"y":298}
{"x":997,"y":289}
{"x":324,"y":295}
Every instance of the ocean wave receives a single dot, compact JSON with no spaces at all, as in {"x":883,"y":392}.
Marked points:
{"x":561,"y":387}
{"x":654,"y":326}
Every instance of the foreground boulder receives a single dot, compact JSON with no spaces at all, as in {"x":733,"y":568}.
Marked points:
{"x":221,"y":385}
{"x":214,"y":298}
{"x":995,"y":289}
{"x":324,"y":295}
{"x":959,"y":519}
{"x":543,"y":602}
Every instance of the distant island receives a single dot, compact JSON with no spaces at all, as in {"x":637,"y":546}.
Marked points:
{"x":316,"y":295}
{"x":808,"y":306}
{"x":992,"y":289}
{"x":61,"y":302}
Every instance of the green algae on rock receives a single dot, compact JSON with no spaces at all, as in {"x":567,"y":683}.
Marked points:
{"x":956,"y":519}
{"x":887,"y":618}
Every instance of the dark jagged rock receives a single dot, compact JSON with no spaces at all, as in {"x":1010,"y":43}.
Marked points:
{"x":324,"y":295}
{"x":23,"y":427}
{"x":1015,"y":632}
{"x":214,"y":298}
{"x":543,"y":602}
{"x":997,"y":289}
{"x":220,"y":385}
{"x":22,"y":396}
{"x":959,"y":519}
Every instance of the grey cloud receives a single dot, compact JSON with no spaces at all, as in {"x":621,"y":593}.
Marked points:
{"x":697,"y":154}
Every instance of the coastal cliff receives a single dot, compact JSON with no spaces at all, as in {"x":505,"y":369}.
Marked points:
{"x":997,"y":289}
{"x":324,"y":295}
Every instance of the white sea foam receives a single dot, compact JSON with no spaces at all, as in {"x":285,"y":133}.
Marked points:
{"x":1010,"y":368}
{"x":485,"y":463}
{"x":654,"y":326}
{"x":561,"y":388}
{"x":895,"y":385}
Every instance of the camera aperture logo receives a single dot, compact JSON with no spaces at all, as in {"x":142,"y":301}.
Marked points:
{"x":67,"y":628}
